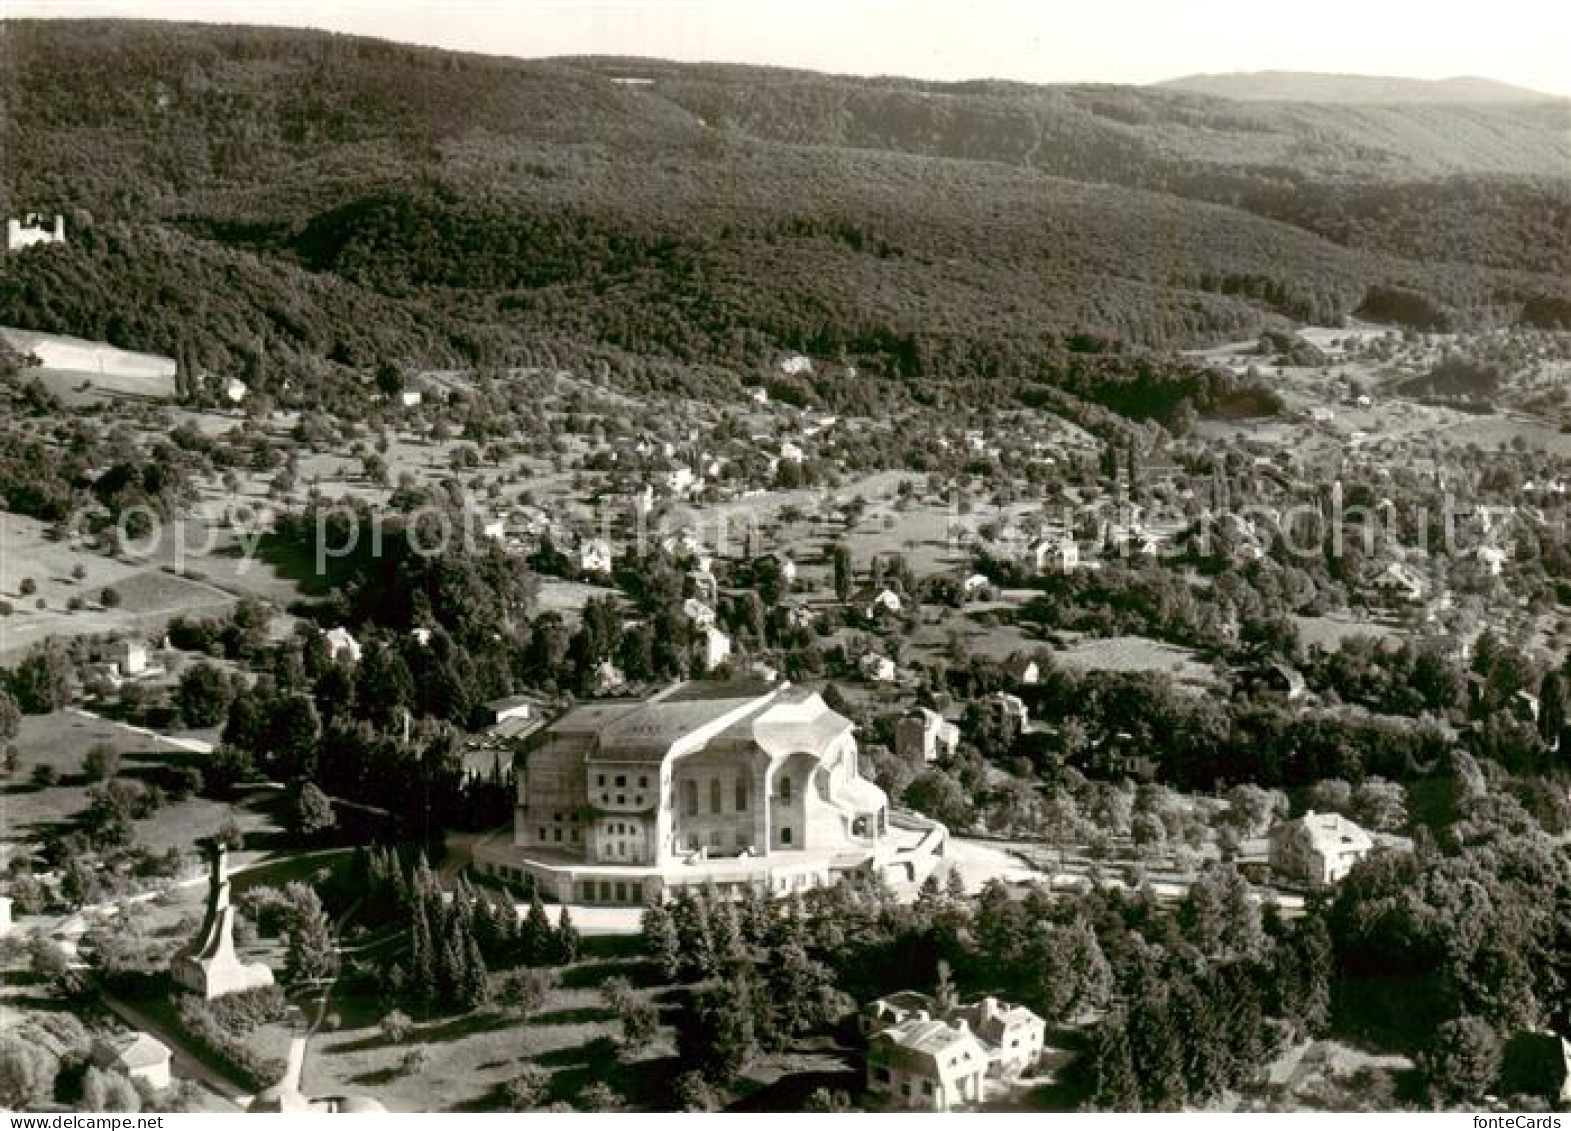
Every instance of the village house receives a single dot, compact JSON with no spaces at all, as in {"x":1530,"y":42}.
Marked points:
{"x":877,"y":668}
{"x":1023,"y":669}
{"x":594,"y":556}
{"x":975,"y":586}
{"x":926,"y":736}
{"x":1399,"y":581}
{"x":706,"y":587}
{"x":924,"y":1056}
{"x":698,"y":614}
{"x":1056,"y":555}
{"x":342,"y":646}
{"x":129,"y":657}
{"x":1005,"y":712}
{"x":1493,"y":559}
{"x":235,"y":390}
{"x":872,"y":603}
{"x":139,"y":1056}
{"x":1318,"y":849}
{"x":922,"y":1064}
{"x":713,"y":648}
{"x":512,"y":707}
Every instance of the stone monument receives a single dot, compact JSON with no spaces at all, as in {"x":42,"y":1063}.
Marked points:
{"x":208,"y":965}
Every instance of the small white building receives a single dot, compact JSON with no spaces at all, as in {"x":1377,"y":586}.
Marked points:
{"x":411,"y":398}
{"x":129,"y":656}
{"x":699,"y":614}
{"x":143,"y":1058}
{"x":1056,"y":555}
{"x":791,"y":453}
{"x":33,"y":230}
{"x":512,"y":707}
{"x":1492,"y":558}
{"x":594,"y":556}
{"x":975,"y":585}
{"x":872,"y":603}
{"x":925,"y":735}
{"x":235,"y":391}
{"x":877,"y":668}
{"x":1319,"y":849}
{"x":714,"y":648}
{"x":680,"y":480}
{"x":342,"y":646}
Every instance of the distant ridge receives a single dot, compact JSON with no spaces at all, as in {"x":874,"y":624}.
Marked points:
{"x":1303,"y":86}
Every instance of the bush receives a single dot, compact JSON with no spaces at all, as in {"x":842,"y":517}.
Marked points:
{"x":528,"y":1089}
{"x":202,"y":1025}
{"x":101,"y":762}
{"x":239,"y":1013}
{"x":110,"y":598}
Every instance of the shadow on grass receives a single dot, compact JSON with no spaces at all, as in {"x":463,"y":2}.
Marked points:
{"x":592,"y":975}
{"x":584,"y":1015}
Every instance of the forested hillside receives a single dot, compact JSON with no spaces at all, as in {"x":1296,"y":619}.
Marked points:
{"x":294,"y":202}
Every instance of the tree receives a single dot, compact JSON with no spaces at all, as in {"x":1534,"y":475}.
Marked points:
{"x":1463,"y":1062}
{"x":10,"y":717}
{"x":396,"y":1026}
{"x":660,"y":939}
{"x":109,"y":1091}
{"x":312,"y":812}
{"x":521,"y":992}
{"x":1380,"y":804}
{"x":310,"y":955}
{"x":716,"y":1031}
{"x":567,"y":940}
{"x":528,"y":1089}
{"x":42,"y":681}
{"x":693,"y":1093}
{"x":1114,"y":1086}
{"x":827,"y":1102}
{"x":203,"y":695}
{"x":844,"y":578}
{"x":599,"y":1096}
{"x":27,"y":1073}
{"x":538,"y":938}
{"x":101,"y":762}
{"x":1551,"y":707}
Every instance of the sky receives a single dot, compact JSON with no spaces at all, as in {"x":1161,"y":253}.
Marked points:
{"x":1527,"y":42}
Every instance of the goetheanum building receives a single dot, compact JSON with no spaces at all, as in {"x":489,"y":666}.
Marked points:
{"x":733,"y":784}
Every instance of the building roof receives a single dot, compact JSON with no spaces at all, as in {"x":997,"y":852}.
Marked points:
{"x":647,"y":732}
{"x":922,"y":1042}
{"x":136,"y":1050}
{"x":1331,"y":833}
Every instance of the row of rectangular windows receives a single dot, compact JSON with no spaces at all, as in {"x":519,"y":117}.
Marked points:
{"x":716,"y":794}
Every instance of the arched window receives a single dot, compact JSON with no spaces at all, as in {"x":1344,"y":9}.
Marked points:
{"x":741,"y":795}
{"x":785,"y":789}
{"x":714,"y":795}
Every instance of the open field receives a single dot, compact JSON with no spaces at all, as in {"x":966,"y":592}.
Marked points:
{"x":149,"y":596}
{"x":69,"y":363}
{"x":61,"y":740}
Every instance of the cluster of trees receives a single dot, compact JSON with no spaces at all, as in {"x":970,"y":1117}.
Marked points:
{"x":465,"y":948}
{"x":756,"y":983}
{"x":506,"y":253}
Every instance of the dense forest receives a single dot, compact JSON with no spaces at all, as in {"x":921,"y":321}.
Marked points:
{"x":299,"y":207}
